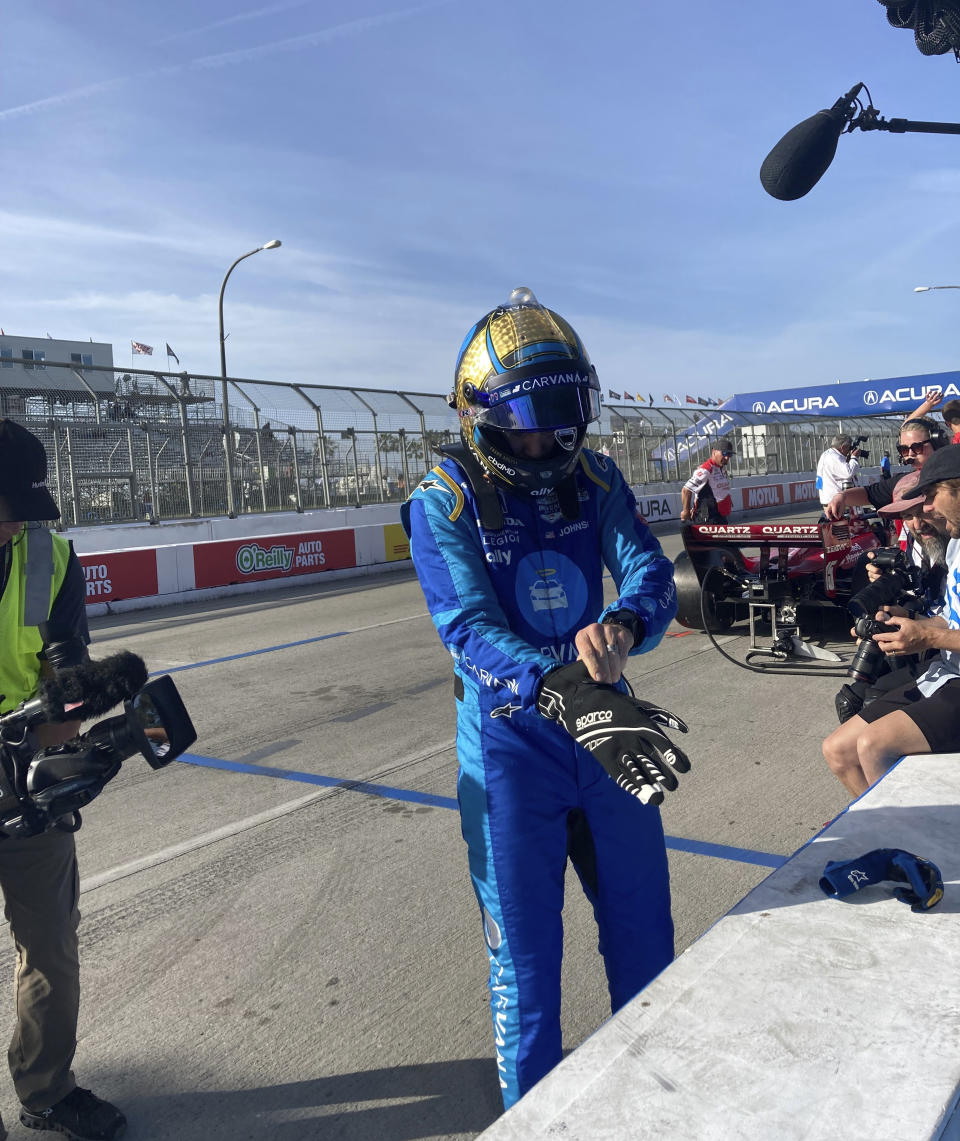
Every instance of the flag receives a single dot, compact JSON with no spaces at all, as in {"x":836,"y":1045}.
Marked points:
{"x":171,"y":353}
{"x":690,"y":400}
{"x":145,"y":350}
{"x":651,"y":398}
{"x":613,"y":395}
{"x":641,"y":399}
{"x":667,"y":396}
{"x":628,"y":396}
{"x":49,"y":338}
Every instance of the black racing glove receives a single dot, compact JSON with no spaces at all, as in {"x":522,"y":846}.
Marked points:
{"x":621,"y":731}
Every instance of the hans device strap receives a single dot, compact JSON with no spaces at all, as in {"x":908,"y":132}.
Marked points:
{"x":491,"y":513}
{"x":488,"y":499}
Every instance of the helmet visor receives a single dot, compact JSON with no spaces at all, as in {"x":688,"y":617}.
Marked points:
{"x":539,"y":399}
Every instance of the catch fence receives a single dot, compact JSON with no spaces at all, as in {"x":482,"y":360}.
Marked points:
{"x":126,"y":444}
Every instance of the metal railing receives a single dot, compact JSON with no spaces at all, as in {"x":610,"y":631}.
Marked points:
{"x":126,"y":444}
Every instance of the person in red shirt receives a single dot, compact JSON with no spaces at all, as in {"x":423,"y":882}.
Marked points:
{"x":706,"y":494}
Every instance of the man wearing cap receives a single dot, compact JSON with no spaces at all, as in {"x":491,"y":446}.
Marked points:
{"x":42,"y":604}
{"x":923,"y":535}
{"x":837,"y":468}
{"x":924,"y":715}
{"x":706,"y":494}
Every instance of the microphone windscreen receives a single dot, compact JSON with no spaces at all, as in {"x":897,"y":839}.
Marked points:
{"x":96,"y":686}
{"x":796,"y":164}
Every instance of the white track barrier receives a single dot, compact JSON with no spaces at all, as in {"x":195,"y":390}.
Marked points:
{"x":796,"y":1016}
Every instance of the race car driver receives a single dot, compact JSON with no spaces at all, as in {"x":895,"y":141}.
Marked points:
{"x":509,"y":534}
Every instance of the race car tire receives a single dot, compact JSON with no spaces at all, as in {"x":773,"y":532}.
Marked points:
{"x":720,"y":614}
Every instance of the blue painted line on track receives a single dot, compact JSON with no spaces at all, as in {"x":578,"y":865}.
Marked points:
{"x":725,"y":852}
{"x":328,"y":782}
{"x":677,"y":843}
{"x":251,"y":653}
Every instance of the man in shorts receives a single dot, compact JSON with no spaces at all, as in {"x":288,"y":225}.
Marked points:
{"x":924,"y":715}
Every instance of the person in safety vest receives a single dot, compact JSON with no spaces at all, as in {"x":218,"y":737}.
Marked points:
{"x":42,"y":589}
{"x":509,"y":536}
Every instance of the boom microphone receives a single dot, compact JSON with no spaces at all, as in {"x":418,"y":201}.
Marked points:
{"x":92,"y":688}
{"x":797,"y":163}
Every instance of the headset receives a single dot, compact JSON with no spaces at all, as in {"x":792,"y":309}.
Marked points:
{"x":939,"y":436}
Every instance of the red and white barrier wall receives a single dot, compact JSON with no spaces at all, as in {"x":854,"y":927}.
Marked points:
{"x":754,"y":494}
{"x":136,"y":566}
{"x":154,"y":576}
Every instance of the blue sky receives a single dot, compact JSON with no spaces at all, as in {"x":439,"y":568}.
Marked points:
{"x":419,"y":160}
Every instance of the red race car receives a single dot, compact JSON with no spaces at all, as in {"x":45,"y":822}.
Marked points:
{"x":789,"y":573}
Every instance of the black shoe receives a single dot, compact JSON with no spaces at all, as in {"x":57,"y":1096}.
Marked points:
{"x":80,"y":1115}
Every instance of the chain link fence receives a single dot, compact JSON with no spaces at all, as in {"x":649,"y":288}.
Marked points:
{"x":126,"y":444}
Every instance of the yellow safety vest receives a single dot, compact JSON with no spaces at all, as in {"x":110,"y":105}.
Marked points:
{"x":37,"y":570}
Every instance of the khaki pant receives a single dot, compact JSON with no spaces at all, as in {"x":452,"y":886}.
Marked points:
{"x":41,"y":889}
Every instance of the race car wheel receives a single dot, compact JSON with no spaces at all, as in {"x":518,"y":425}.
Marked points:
{"x":720,"y":615}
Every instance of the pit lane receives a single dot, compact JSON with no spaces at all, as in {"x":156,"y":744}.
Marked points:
{"x":280,"y":940}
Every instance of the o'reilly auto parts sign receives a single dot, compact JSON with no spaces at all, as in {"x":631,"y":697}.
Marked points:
{"x":277,"y":556}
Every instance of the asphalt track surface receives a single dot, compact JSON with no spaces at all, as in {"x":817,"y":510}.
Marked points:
{"x":279,"y":936}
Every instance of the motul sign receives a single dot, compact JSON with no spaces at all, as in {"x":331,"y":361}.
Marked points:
{"x":767,"y":495}
{"x":801,"y":492}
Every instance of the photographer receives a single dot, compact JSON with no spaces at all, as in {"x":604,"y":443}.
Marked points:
{"x":838,"y":467}
{"x":42,"y":585}
{"x":913,"y":577}
{"x":919,"y":439}
{"x":921,"y":716}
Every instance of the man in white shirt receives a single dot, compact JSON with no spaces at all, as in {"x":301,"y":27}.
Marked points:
{"x":922,"y":716}
{"x":706,"y":494}
{"x":837,"y":468}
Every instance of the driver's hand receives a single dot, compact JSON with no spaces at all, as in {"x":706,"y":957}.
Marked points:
{"x":603,"y":649}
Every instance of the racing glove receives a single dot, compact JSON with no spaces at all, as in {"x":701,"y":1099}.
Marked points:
{"x":924,"y":883}
{"x":621,"y":731}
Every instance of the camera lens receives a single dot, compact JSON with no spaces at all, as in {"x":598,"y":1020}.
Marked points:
{"x":866,"y":662}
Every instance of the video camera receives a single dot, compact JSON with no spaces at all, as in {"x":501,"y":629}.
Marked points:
{"x":43,"y":788}
{"x":863,"y":455}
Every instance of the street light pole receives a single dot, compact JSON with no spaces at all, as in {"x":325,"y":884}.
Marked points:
{"x":927,"y":288}
{"x":224,"y":395}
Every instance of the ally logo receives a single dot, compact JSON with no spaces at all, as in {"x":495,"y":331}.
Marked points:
{"x":251,"y":558}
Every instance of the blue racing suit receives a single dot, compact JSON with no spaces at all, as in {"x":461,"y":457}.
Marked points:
{"x":507,"y":604}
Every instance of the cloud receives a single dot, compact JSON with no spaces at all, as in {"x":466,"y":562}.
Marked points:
{"x":239,"y":18}
{"x":223,"y":59}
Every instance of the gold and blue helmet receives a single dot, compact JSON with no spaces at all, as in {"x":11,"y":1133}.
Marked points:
{"x":522,"y":368}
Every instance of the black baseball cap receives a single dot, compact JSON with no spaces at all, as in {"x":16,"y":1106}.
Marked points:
{"x":23,"y":476}
{"x":943,"y":464}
